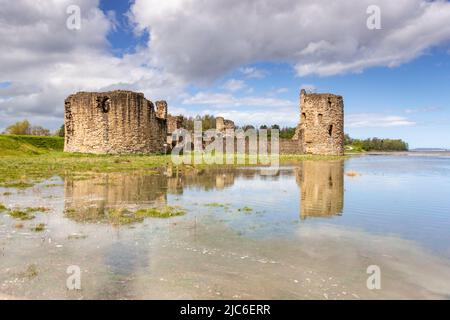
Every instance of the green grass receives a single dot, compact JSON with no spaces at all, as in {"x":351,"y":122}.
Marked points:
{"x":25,"y":160}
{"x":12,"y":145}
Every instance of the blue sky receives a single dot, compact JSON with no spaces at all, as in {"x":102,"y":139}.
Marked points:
{"x":418,"y":91}
{"x":238,"y":59}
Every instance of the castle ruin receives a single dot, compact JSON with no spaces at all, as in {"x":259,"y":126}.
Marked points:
{"x":321,"y":127}
{"x":114,"y":122}
{"x":224,"y":124}
{"x":121,"y":122}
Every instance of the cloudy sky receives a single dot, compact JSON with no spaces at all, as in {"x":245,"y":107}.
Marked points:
{"x":242,"y":59}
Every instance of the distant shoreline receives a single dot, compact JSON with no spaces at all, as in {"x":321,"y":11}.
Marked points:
{"x":411,"y":152}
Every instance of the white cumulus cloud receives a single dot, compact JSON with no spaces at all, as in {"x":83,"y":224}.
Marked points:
{"x":234,"y":85}
{"x":373,"y":120}
{"x":204,"y":39}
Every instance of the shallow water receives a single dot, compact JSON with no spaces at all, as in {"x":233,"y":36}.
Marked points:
{"x":302,"y":232}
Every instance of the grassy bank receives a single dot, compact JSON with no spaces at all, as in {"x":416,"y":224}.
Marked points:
{"x":27,"y":159}
{"x":11,"y":145}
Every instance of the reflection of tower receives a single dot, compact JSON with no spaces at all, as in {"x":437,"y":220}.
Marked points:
{"x":322,"y":188}
{"x":224,"y":180}
{"x":88,"y":199}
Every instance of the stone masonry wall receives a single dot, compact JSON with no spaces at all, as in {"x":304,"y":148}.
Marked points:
{"x":114,"y":122}
{"x":224,"y":124}
{"x":321,"y":127}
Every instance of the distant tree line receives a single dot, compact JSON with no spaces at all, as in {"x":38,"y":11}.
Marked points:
{"x":25,"y":128}
{"x":376,"y":144}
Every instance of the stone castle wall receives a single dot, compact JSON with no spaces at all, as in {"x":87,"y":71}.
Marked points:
{"x":120,"y":121}
{"x":224,"y":124}
{"x":114,"y":122}
{"x":321,"y":126}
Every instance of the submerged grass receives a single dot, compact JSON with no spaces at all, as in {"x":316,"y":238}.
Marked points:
{"x":246,"y":209}
{"x":165,"y":212}
{"x":76,"y":236}
{"x":216,"y":205}
{"x":30,"y":273}
{"x":18,"y":185}
{"x":23,"y":214}
{"x":38,"y":228}
{"x":122,"y":216}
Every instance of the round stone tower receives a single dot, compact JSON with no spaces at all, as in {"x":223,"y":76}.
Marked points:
{"x":114,"y":122}
{"x":322,"y":123}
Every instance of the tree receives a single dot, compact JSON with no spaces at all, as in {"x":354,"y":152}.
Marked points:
{"x":287,"y":132}
{"x":347,"y":139}
{"x":377,"y":144}
{"x":247,"y":126}
{"x":276,"y":127}
{"x":39,"y":131}
{"x":60,"y":132}
{"x":19,"y":128}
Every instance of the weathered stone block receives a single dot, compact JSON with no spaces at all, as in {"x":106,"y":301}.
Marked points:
{"x":321,"y":127}
{"x":113,"y":122}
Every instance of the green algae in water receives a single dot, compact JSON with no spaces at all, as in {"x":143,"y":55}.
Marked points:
{"x":245,"y":209}
{"x":38,"y":228}
{"x":122,"y":216}
{"x":165,"y":212}
{"x":2,"y":207}
{"x":25,"y":214}
{"x":37,"y":209}
{"x":76,"y":236}
{"x":216,"y":205}
{"x":19,"y":185}
{"x":21,"y":215}
{"x":30,"y":273}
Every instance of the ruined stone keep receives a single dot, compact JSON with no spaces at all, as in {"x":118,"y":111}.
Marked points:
{"x":114,"y":122}
{"x":121,"y":122}
{"x":224,"y":124}
{"x":321,"y":127}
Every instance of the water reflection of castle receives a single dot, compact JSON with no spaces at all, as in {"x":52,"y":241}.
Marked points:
{"x":88,"y":200}
{"x":321,"y":188}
